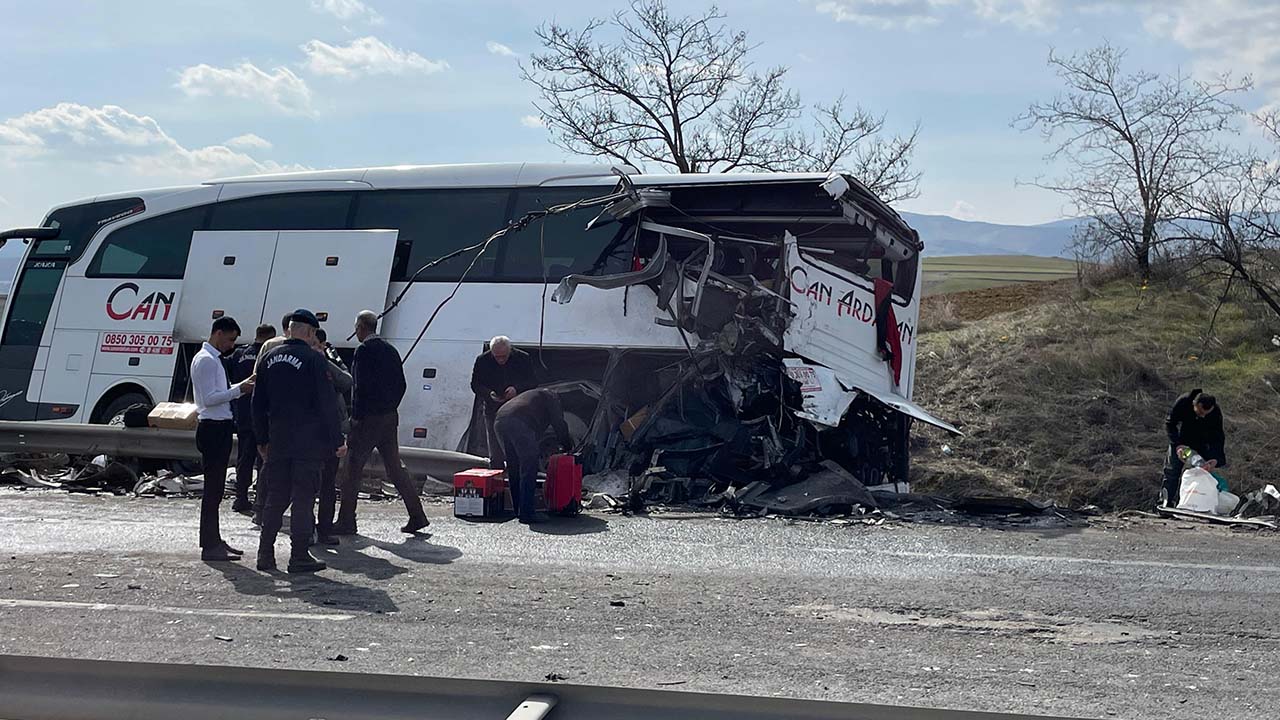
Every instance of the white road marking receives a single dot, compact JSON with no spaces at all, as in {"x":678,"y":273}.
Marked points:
{"x":1060,"y":558}
{"x":167,"y":610}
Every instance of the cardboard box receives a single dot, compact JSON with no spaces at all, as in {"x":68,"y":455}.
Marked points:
{"x":479,"y":493}
{"x":634,"y":422}
{"x":173,"y":416}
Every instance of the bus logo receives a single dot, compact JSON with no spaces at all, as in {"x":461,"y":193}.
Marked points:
{"x":146,"y":309}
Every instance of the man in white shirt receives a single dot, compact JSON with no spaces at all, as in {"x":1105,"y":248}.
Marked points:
{"x":213,"y":395}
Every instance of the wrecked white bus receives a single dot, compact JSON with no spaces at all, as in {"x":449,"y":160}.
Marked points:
{"x":726,"y":322}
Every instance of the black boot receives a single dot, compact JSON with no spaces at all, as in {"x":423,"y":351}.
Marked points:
{"x":415,"y":524}
{"x":267,"y":560}
{"x":267,"y":551}
{"x":304,"y":563}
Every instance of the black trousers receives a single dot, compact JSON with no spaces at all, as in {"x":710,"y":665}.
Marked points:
{"x":328,"y":496}
{"x":380,"y":432}
{"x":520,"y":443}
{"x":1172,"y":477}
{"x":497,"y":456}
{"x":291,"y":484}
{"x":246,"y":460}
{"x":213,"y":440}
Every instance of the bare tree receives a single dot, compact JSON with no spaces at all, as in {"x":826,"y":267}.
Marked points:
{"x":1229,"y":224}
{"x":1131,"y":143}
{"x":680,"y":92}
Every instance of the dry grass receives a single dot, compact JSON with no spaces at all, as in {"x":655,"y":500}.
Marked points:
{"x":1066,"y":400}
{"x":939,"y":313}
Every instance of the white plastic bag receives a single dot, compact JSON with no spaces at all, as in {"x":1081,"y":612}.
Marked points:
{"x":1199,"y":492}
{"x":1227,"y":503}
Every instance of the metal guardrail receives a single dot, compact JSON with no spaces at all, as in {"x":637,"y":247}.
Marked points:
{"x":119,"y":441}
{"x":33,"y":688}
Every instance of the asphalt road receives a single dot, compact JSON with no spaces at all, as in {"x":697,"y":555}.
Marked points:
{"x":1148,"y":620}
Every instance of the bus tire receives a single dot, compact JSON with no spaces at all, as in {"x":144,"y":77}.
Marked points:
{"x":112,"y":412}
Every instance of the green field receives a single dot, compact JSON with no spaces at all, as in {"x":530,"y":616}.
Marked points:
{"x":975,"y":272}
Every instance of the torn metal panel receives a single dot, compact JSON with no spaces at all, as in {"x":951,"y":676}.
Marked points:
{"x":907,"y":407}
{"x":564,"y":291}
{"x":834,"y":322}
{"x":825,"y":399}
{"x":824,"y":492}
{"x":900,"y":243}
{"x":1217,"y":519}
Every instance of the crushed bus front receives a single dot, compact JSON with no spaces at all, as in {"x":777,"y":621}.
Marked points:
{"x":797,"y":301}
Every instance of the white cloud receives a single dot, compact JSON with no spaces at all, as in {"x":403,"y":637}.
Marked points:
{"x":3,"y":202}
{"x":532,"y":121}
{"x":1025,"y":14}
{"x":497,"y":48}
{"x":1225,"y":35}
{"x":962,"y":210}
{"x":280,"y":89}
{"x":366,"y":56}
{"x":248,"y":141}
{"x":347,"y":10}
{"x":884,"y":13}
{"x":110,"y":136}
{"x":887,"y":14}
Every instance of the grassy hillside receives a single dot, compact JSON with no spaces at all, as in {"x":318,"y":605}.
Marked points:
{"x":974,"y":272}
{"x":1065,"y":399}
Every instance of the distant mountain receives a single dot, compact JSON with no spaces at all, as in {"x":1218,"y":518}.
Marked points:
{"x":943,"y":235}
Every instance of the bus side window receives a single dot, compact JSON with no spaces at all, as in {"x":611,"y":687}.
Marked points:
{"x":435,"y":223}
{"x":153,"y":248}
{"x":290,"y":211}
{"x":566,"y":246}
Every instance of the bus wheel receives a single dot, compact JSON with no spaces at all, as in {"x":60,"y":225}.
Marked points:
{"x":113,"y":412}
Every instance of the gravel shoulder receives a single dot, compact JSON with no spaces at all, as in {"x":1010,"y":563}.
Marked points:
{"x":1134,"y":620}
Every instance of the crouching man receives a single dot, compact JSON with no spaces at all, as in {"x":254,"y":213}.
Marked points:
{"x":520,"y":423}
{"x":1195,"y":420}
{"x":295,"y":418}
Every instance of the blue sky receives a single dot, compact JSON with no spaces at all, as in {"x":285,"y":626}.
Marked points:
{"x":109,"y":96}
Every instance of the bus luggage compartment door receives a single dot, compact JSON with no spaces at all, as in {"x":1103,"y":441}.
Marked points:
{"x":227,"y":274}
{"x":333,"y":273}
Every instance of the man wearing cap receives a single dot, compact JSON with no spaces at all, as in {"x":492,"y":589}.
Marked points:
{"x":375,"y":423}
{"x":295,"y":418}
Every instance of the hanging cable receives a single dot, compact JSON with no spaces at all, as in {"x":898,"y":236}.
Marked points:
{"x":514,"y":227}
{"x":542,"y":309}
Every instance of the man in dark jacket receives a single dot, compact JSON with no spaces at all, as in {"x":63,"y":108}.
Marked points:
{"x":328,"y":495}
{"x":520,"y":423}
{"x":375,"y":423}
{"x":497,"y":376}
{"x":295,"y":418}
{"x":1195,"y":420}
{"x":242,"y":365}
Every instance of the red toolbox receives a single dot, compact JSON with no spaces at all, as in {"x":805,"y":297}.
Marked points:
{"x":480,"y":493}
{"x":563,"y":488}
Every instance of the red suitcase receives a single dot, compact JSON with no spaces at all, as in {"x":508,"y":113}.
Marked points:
{"x":563,"y":488}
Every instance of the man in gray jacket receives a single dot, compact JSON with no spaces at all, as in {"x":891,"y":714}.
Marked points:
{"x":342,"y":383}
